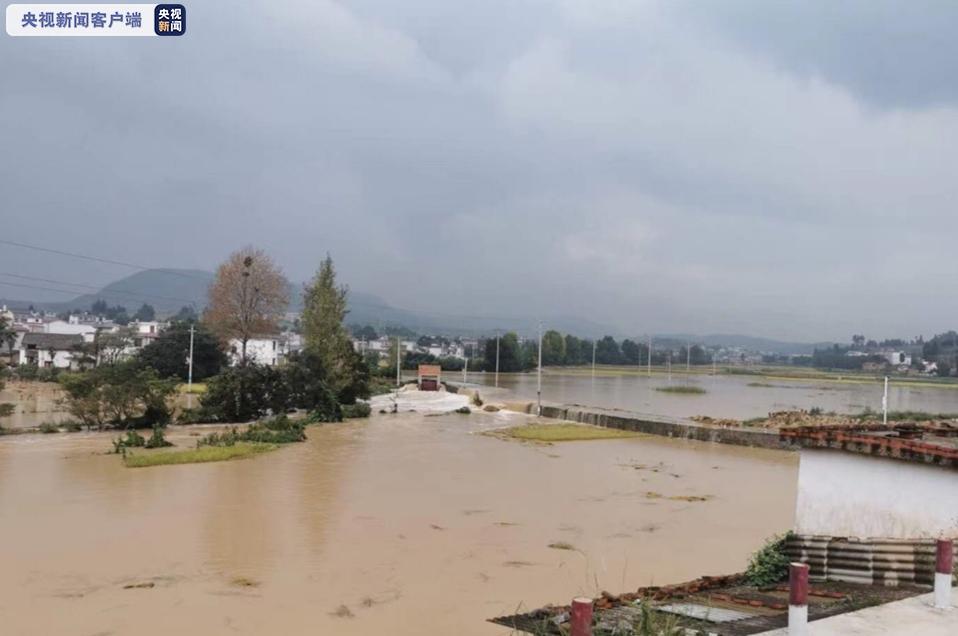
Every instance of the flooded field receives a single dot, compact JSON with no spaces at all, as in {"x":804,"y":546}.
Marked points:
{"x":725,"y":396}
{"x":34,"y":404}
{"x":402,"y":524}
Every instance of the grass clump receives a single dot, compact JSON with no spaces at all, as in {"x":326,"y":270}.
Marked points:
{"x":770,"y":563}
{"x":567,"y":432}
{"x":196,"y":455}
{"x":46,"y":428}
{"x":682,"y":389}
{"x":561,"y":545}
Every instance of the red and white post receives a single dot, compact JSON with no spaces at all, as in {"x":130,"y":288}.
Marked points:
{"x":944,"y":566}
{"x":581,"y":617}
{"x":797,"y":599}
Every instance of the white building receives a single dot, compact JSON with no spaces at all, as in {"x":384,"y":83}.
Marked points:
{"x":50,"y":350}
{"x":65,"y":327}
{"x":270,"y":351}
{"x":897,"y":358}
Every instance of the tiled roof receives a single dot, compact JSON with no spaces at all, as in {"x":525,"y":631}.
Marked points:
{"x":59,"y":341}
{"x":935,"y":445}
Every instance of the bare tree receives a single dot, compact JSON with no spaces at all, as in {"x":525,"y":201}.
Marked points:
{"x":247,"y":298}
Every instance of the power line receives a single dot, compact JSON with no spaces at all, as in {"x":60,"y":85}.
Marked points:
{"x":73,"y":292}
{"x":99,"y":290}
{"x":97,"y":259}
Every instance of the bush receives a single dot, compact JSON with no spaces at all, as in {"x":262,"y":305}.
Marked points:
{"x":157,"y":440}
{"x":72,"y":426}
{"x":35,"y":373}
{"x":770,"y":564}
{"x":47,"y":428}
{"x":132,"y":440}
{"x":357,"y":410}
{"x":276,"y":430}
{"x":121,"y":395}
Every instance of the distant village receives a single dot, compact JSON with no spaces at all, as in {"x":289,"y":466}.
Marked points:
{"x":68,"y":341}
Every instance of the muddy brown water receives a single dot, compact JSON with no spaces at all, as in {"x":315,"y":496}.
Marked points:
{"x":400,"y":524}
{"x":726,"y":395}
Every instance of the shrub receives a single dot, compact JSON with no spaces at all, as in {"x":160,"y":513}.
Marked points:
{"x":132,"y":440}
{"x":770,"y":564}
{"x":121,"y":395}
{"x":276,"y":430}
{"x":245,"y":393}
{"x":72,"y":426}
{"x":357,"y":410}
{"x":48,"y":428}
{"x":157,"y":440}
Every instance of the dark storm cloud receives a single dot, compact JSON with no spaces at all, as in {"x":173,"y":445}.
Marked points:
{"x":657,"y":167}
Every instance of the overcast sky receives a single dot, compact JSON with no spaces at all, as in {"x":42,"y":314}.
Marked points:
{"x":769,"y":168}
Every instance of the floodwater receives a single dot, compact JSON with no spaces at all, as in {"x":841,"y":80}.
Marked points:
{"x":401,"y":524}
{"x":726,"y":395}
{"x":34,"y":403}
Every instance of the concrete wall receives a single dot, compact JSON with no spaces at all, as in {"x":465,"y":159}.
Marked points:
{"x":846,"y":495}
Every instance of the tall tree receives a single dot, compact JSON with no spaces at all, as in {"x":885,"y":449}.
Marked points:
{"x":247,"y":298}
{"x":145,"y":313}
{"x":553,"y":348}
{"x":326,"y":337}
{"x":169,"y":353}
{"x":510,"y":357}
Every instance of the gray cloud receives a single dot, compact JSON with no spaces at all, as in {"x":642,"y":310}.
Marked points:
{"x":657,"y":167}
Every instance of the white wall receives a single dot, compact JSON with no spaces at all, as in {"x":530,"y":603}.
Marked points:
{"x":847,"y":495}
{"x":269,"y":351}
{"x":61,"y":359}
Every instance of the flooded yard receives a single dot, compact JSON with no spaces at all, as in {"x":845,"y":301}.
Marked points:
{"x":401,"y":524}
{"x":739,"y":397}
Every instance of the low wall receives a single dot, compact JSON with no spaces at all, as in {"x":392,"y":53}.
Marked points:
{"x":887,"y":562}
{"x":667,"y":427}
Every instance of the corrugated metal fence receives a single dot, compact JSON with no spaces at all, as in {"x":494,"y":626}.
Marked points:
{"x":866,"y":561}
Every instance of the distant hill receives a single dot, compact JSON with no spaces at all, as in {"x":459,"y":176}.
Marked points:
{"x":170,"y":289}
{"x":166,"y":289}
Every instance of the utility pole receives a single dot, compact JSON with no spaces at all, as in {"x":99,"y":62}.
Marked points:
{"x":594,"y":343}
{"x":465,"y":367}
{"x":539,"y":376}
{"x":497,"y":359}
{"x":189,"y":374}
{"x":688,"y":356}
{"x":649,"y":365}
{"x":398,"y":358}
{"x":884,"y":404}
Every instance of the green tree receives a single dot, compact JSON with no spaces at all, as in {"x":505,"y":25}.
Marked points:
{"x":7,"y":336}
{"x":145,"y":313}
{"x":120,"y":395}
{"x":169,"y":353}
{"x":607,"y":351}
{"x":510,"y":357}
{"x":553,"y":348}
{"x":630,"y":352}
{"x":324,"y":310}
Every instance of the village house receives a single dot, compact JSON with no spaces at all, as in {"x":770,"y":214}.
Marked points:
{"x":50,"y":350}
{"x":268,"y":350}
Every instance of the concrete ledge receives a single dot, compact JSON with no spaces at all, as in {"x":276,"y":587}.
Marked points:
{"x":668,"y":427}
